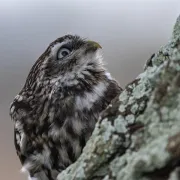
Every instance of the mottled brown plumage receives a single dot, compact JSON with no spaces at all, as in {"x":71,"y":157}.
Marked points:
{"x":56,"y":111}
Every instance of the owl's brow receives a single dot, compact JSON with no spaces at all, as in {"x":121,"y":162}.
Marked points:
{"x":60,"y":40}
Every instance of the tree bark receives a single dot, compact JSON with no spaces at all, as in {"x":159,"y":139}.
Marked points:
{"x":138,"y":135}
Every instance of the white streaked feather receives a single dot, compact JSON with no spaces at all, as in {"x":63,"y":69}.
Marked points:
{"x":90,"y":97}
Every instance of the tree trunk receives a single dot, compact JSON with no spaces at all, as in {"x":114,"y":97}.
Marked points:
{"x":138,"y":135}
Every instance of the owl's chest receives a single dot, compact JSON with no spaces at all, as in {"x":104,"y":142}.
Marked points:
{"x":59,"y":131}
{"x":58,"y":118}
{"x":59,"y":127}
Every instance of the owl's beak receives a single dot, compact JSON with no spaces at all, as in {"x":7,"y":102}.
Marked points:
{"x":94,"y":45}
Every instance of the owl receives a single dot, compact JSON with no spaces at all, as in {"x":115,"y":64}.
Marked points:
{"x":56,"y":111}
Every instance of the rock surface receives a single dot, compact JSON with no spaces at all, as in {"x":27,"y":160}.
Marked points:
{"x":138,"y":136}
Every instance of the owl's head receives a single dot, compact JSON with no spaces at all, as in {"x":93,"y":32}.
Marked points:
{"x":69,"y":60}
{"x":71,"y":54}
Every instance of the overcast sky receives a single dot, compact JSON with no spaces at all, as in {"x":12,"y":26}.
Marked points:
{"x":128,"y":30}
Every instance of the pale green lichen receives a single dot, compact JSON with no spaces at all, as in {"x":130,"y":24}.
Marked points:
{"x":140,"y":90}
{"x":130,"y":118}
{"x":122,"y":108}
{"x":108,"y":129}
{"x":134,"y":108}
{"x":80,"y":172}
{"x":124,"y":96}
{"x":133,"y":164}
{"x":161,"y":120}
{"x":120,"y":124}
{"x":106,"y":177}
{"x":175,"y":35}
{"x":174,"y":175}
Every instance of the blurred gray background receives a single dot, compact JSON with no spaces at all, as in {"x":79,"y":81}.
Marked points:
{"x":128,"y":30}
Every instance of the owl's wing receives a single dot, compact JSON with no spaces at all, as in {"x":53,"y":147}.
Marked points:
{"x":18,"y":142}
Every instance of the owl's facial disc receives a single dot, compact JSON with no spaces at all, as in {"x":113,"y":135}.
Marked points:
{"x":72,"y":54}
{"x":68,"y":48}
{"x":73,"y":48}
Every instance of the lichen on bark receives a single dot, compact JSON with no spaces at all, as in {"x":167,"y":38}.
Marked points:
{"x":138,"y":135}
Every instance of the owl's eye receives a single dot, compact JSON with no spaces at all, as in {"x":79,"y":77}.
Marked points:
{"x":63,"y":52}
